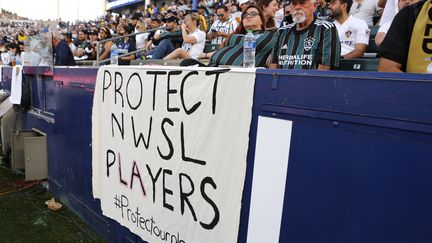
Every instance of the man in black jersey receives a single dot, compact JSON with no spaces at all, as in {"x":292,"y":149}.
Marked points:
{"x":407,"y":46}
{"x":308,"y":43}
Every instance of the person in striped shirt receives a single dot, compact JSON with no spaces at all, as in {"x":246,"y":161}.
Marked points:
{"x":308,"y":43}
{"x":232,"y":54}
{"x":223,"y":27}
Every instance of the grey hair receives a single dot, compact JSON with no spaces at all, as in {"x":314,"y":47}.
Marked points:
{"x":57,"y":35}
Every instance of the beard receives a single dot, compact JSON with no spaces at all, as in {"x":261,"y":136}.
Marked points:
{"x":336,"y":14}
{"x":298,"y":16}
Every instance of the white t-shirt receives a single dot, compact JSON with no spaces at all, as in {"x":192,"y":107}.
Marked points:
{"x":141,"y":40}
{"x":353,"y":31}
{"x":195,"y":49}
{"x":365,"y":10}
{"x":72,"y":46}
{"x":226,"y":27}
{"x":279,"y":17}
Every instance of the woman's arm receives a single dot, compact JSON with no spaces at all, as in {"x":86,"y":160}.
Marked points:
{"x":107,"y":51}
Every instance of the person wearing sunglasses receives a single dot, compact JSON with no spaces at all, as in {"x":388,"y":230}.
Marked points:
{"x":308,"y":43}
{"x":323,"y":11}
{"x":232,"y":54}
{"x":222,"y":27}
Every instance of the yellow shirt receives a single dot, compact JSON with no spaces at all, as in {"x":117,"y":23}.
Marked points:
{"x":203,"y":24}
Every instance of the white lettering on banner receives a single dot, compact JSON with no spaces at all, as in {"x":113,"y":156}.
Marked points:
{"x":169,"y":150}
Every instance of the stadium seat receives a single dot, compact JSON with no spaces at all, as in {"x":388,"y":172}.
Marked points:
{"x":372,"y":48}
{"x":358,"y":64}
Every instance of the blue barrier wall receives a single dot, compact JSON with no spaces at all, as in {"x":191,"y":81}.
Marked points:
{"x":360,"y":157}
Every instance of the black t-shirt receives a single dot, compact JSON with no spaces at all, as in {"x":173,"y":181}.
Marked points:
{"x":396,"y":44}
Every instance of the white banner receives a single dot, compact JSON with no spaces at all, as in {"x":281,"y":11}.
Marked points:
{"x":169,"y":150}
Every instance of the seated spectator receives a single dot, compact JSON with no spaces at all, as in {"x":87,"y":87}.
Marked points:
{"x":62,"y":53}
{"x":202,"y":22}
{"x":169,"y":40}
{"x":279,"y":16}
{"x":105,"y":52}
{"x":235,"y":12}
{"x":269,"y":9}
{"x":141,"y":39}
{"x":323,"y":11}
{"x":21,"y":46}
{"x":202,"y":10}
{"x":353,"y":32}
{"x":22,"y":36}
{"x":10,"y":56}
{"x":135,"y":19}
{"x":84,"y":49}
{"x":222,"y":27}
{"x":125,"y":45}
{"x":232,"y":54}
{"x":295,"y":47}
{"x":193,"y":39}
{"x":365,"y":9}
{"x":383,"y":29}
{"x":405,"y":47}
{"x":243,"y":4}
{"x":69,"y":41}
{"x":74,"y":35}
{"x":153,"y":37}
{"x":181,"y":6}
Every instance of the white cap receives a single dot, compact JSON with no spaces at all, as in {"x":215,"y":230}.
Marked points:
{"x":240,"y":2}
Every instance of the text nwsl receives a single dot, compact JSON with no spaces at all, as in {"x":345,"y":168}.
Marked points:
{"x":164,"y":136}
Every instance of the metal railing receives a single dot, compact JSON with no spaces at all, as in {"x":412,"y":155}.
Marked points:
{"x":102,"y":42}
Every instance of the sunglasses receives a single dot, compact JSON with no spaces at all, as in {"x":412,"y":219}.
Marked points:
{"x":250,"y":15}
{"x":220,"y":15}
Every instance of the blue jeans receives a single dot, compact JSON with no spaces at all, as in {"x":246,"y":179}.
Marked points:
{"x":164,"y":48}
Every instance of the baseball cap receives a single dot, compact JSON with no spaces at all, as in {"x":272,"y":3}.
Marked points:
{"x":240,"y":2}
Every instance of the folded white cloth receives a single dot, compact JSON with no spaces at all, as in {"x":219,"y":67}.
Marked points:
{"x":16,"y":86}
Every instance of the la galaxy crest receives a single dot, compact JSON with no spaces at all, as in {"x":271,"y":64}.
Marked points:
{"x":308,"y":43}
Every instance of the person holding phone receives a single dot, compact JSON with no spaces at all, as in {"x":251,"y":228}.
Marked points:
{"x":223,"y":27}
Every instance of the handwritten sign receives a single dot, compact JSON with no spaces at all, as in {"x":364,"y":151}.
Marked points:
{"x":169,"y":150}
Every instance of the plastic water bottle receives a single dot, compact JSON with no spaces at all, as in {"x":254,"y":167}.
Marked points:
{"x":114,"y":54}
{"x":249,"y":46}
{"x":18,"y":60}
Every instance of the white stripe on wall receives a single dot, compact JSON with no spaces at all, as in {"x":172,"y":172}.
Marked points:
{"x":269,"y":178}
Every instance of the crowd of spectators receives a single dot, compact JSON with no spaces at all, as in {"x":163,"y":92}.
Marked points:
{"x":292,"y":34}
